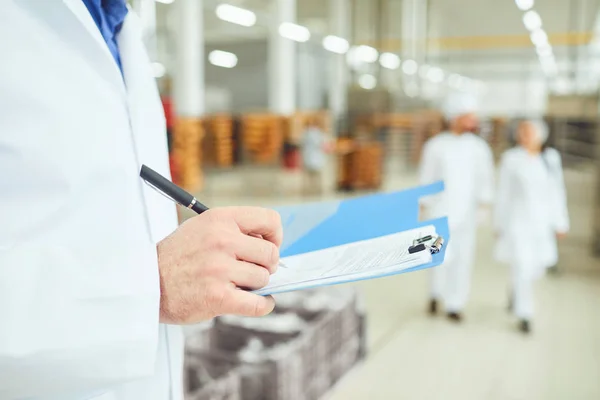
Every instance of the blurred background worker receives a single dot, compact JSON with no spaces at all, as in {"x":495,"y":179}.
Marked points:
{"x":314,"y":156}
{"x":531,"y":212}
{"x":464,"y":162}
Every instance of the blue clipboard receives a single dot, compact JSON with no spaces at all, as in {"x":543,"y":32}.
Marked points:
{"x":317,"y":226}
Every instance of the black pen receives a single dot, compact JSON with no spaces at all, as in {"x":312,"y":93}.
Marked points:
{"x":175,"y":193}
{"x":171,"y":190}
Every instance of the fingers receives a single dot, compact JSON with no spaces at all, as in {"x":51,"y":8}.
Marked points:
{"x":259,"y":221}
{"x":257,"y":251}
{"x":249,"y":276}
{"x":248,"y":304}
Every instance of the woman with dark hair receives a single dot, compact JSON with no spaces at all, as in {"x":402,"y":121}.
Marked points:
{"x":531,"y":213}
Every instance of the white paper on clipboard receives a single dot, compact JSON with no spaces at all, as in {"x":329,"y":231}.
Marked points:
{"x":361,"y":260}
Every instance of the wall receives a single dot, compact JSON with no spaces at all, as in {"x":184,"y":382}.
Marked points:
{"x":247,"y":83}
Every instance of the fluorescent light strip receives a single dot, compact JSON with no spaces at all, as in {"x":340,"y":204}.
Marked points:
{"x":532,"y":20}
{"x":539,"y":37}
{"x":236,"y":15}
{"x":389,"y":61}
{"x":222,"y":59}
{"x":294,"y":32}
{"x":435,"y":75}
{"x":410,"y":67}
{"x":336,"y":44}
{"x":364,"y":53}
{"x":367,"y":81}
{"x":524,"y":5}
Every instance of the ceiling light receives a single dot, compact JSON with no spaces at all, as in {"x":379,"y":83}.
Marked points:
{"x":389,"y":61}
{"x":544,"y":50}
{"x":524,"y":4}
{"x":223,"y":59}
{"x":410,"y":67}
{"x":532,"y":20}
{"x":435,"y":75}
{"x":336,"y":44}
{"x":539,"y":37}
{"x":165,"y":1}
{"x":235,"y":15}
{"x":294,"y":32}
{"x":367,"y":81}
{"x":364,"y":53}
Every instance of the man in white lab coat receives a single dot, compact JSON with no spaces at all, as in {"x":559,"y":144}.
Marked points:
{"x":95,"y":276}
{"x":464,"y":162}
{"x":530,"y":214}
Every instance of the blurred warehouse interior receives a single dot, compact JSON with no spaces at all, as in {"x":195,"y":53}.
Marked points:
{"x":243,"y":83}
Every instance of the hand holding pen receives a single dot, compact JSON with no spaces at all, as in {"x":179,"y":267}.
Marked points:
{"x":207,"y":259}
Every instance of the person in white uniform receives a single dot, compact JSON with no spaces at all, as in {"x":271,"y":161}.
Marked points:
{"x":464,"y":162}
{"x":95,"y":275}
{"x":314,"y":156}
{"x":530,"y":214}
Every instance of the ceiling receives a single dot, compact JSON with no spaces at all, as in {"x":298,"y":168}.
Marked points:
{"x":479,"y":38}
{"x":464,"y":24}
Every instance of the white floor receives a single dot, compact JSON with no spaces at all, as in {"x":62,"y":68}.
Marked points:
{"x":414,"y":356}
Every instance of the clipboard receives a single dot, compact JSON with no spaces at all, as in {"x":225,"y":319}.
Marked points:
{"x":318,"y":230}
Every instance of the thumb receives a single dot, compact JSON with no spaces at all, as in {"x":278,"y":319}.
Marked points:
{"x":249,"y":304}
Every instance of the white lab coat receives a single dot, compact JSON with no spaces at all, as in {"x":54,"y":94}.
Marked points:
{"x":465,"y":164}
{"x":313,"y":149}
{"x":531,"y":208}
{"x":79,"y":282}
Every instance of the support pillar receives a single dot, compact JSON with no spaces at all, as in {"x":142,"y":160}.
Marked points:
{"x":282,"y":60}
{"x":188,"y":87}
{"x":414,"y":37}
{"x":339,"y":15}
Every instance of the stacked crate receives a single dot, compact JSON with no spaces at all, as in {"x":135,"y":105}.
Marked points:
{"x":208,"y":378}
{"x":221,"y":145}
{"x":366,"y":166}
{"x":360,"y":166}
{"x":344,"y":149}
{"x":187,"y":155}
{"x":298,"y":363}
{"x":262,"y":137}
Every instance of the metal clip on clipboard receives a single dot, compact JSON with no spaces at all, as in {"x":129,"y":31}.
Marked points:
{"x":433,"y":243}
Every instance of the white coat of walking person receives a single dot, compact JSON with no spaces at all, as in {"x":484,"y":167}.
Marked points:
{"x":96,"y":277}
{"x":314,"y":156}
{"x":464,"y":161}
{"x":530,"y":214}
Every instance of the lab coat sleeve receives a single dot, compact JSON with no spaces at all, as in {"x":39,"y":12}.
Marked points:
{"x":561,"y":211}
{"x":503,"y":196}
{"x":486,"y":170}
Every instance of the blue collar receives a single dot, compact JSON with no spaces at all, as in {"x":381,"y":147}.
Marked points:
{"x":109,"y":16}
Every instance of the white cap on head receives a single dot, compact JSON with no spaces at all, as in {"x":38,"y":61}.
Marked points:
{"x":540,"y":128}
{"x":457,"y":104}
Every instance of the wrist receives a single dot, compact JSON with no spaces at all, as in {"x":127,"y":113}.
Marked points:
{"x":165,"y":316}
